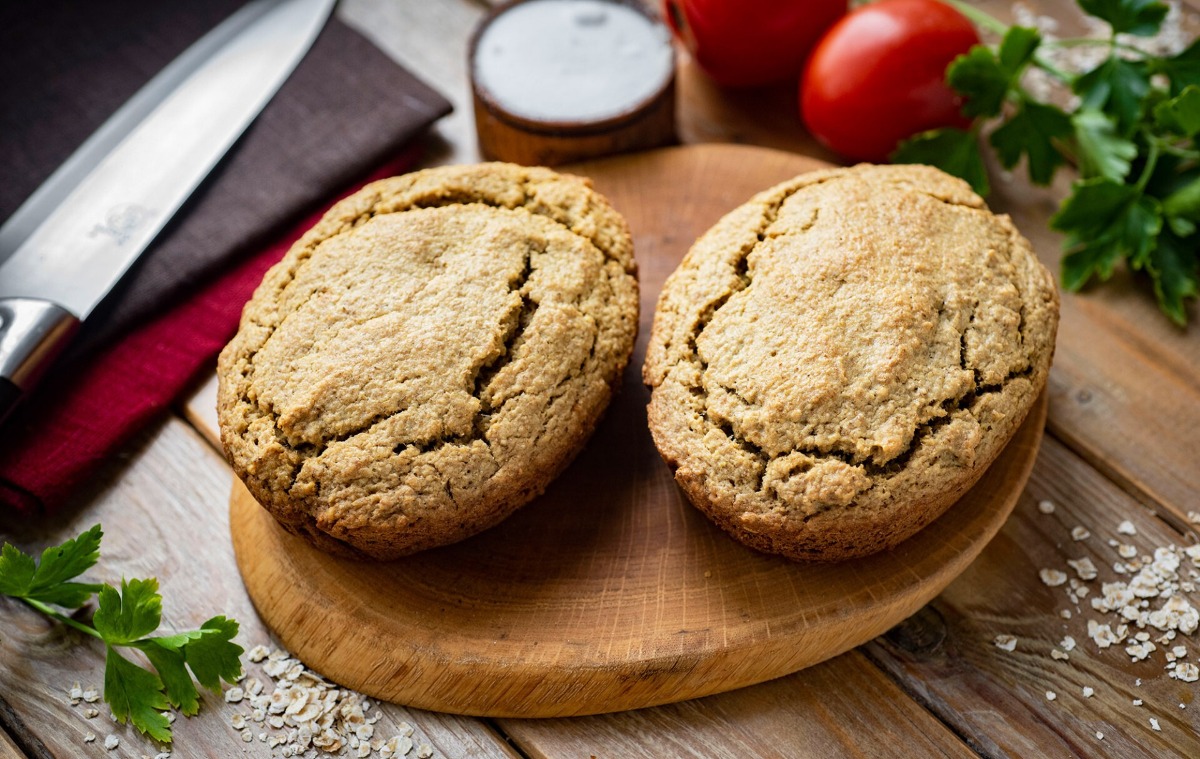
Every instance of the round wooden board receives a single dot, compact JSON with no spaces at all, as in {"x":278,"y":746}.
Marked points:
{"x":610,"y":592}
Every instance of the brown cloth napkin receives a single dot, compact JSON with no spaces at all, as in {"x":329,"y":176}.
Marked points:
{"x":67,"y":66}
{"x":345,"y":113}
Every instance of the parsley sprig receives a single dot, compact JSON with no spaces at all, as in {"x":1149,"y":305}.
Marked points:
{"x":1132,"y":134}
{"x":124,"y":618}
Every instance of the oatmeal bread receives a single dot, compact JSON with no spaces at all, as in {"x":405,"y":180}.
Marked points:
{"x":429,"y":356}
{"x":838,"y":360}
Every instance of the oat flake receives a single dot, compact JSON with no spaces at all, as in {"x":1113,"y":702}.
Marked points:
{"x":1005,"y":642}
{"x":1053,"y":577}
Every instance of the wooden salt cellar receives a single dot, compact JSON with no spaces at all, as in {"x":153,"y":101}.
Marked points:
{"x":506,"y":136}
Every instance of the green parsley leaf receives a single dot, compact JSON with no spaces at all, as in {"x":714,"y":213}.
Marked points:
{"x":1032,"y":132}
{"x":1117,"y":87}
{"x":213,"y":656}
{"x":1181,"y":114}
{"x":1182,"y":208}
{"x":1101,"y":151}
{"x":1105,"y":220}
{"x":955,"y":151}
{"x":1172,"y":266}
{"x":985,"y":77}
{"x":132,"y":613}
{"x":169,"y":662}
{"x":1138,"y":17}
{"x":17,"y":569}
{"x":1017,"y":47}
{"x":47,"y":579}
{"x":135,"y":695}
{"x":125,"y":617}
{"x":978,"y":76}
{"x":1182,"y":70}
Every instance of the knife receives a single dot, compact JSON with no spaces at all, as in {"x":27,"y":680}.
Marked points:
{"x":75,"y":237}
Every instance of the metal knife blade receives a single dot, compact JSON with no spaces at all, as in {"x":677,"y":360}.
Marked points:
{"x":81,"y":248}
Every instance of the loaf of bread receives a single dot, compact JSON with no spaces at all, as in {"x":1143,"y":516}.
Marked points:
{"x":429,"y":356}
{"x":838,"y":360}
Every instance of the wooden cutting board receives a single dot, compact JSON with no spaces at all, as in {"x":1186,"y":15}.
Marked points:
{"x":610,"y":592}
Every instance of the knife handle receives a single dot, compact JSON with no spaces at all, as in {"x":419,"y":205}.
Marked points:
{"x":33,"y":332}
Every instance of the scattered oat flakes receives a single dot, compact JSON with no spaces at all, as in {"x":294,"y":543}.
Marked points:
{"x":1065,"y":614}
{"x":1051,"y":695}
{"x":247,"y":736}
{"x":1005,"y":642}
{"x":1046,"y":507}
{"x":1126,"y":528}
{"x":1126,"y":551}
{"x":91,"y":713}
{"x":1194,"y":517}
{"x":91,"y":695}
{"x":1058,"y":655}
{"x":1099,"y":735}
{"x":1084,"y":568}
{"x":1186,"y":672}
{"x":163,"y":755}
{"x":1067,"y":643}
{"x":234,"y":695}
{"x":1154,"y":724}
{"x":89,"y":737}
{"x":425,"y":751}
{"x":238,"y":721}
{"x":1139,"y":651}
{"x":111,"y":742}
{"x":75,"y":693}
{"x":1053,"y":577}
{"x":1088,"y":692}
{"x":1137,"y":702}
{"x":1080,"y":533}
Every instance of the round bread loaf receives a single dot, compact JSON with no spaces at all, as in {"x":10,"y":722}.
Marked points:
{"x":838,"y":360}
{"x":429,"y":356}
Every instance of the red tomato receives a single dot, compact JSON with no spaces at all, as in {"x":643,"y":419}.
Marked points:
{"x":747,"y":42}
{"x":879,"y":76}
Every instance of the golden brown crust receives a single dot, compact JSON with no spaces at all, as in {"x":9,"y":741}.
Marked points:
{"x":838,"y":360}
{"x":429,"y":356}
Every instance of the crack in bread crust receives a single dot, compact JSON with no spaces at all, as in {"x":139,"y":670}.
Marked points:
{"x":802,"y":487}
{"x":480,"y":456}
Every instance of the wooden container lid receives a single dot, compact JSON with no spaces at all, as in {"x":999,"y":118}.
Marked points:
{"x":609,"y":86}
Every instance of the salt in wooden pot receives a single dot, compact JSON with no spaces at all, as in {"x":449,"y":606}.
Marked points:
{"x":557,"y":81}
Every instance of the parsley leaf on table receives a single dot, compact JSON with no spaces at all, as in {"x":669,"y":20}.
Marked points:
{"x":1133,"y":134}
{"x":1138,"y":17}
{"x":1032,"y":132}
{"x":1102,"y":152}
{"x":955,"y":151}
{"x":47,"y":581}
{"x":124,"y":618}
{"x":1117,"y":87}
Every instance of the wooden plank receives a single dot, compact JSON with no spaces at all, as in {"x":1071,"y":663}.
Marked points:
{"x":842,"y":708}
{"x":996,"y":699}
{"x":165,"y":514}
{"x":9,"y":749}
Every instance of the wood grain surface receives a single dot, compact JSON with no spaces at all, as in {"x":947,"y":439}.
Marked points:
{"x":1121,"y":444}
{"x":609,"y":592}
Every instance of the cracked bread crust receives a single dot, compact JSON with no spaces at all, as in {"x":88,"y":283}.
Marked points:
{"x":838,"y":360}
{"x":429,"y":356}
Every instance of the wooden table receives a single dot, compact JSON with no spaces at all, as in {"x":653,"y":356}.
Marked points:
{"x":1123,"y":443}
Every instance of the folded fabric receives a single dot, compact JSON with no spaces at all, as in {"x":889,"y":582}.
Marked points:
{"x":347,"y":109}
{"x":74,"y":424}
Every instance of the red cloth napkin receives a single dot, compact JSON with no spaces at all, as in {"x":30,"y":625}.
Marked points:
{"x":74,"y":424}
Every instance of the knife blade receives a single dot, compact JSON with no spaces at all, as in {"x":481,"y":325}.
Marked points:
{"x":117,"y":192}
